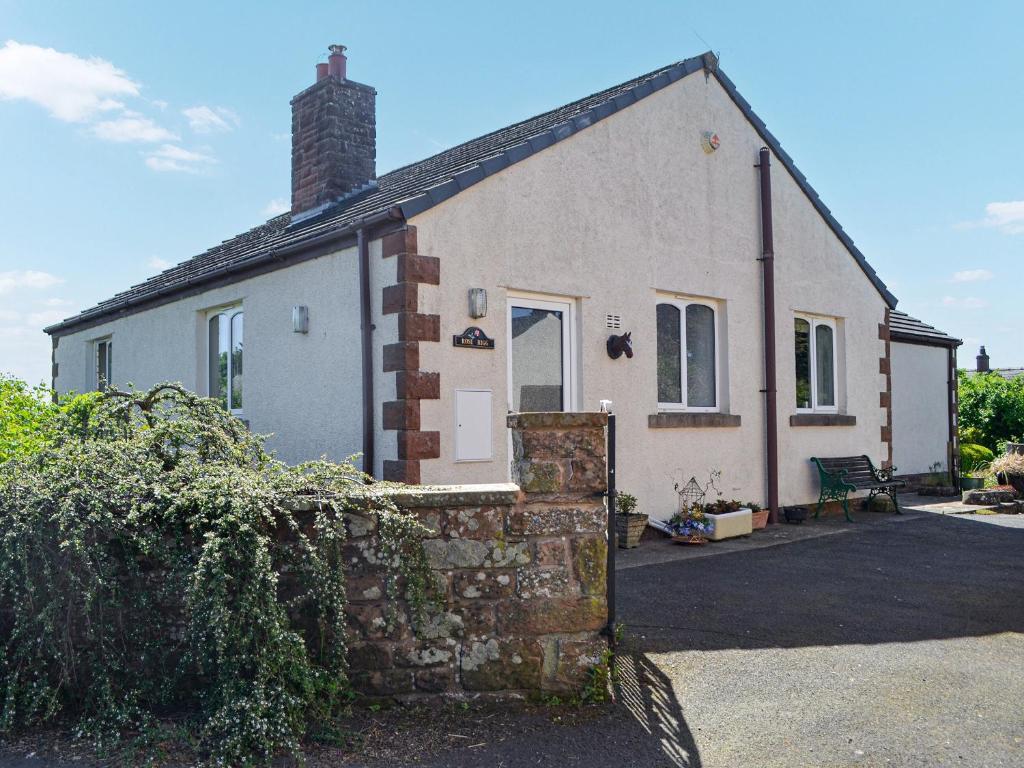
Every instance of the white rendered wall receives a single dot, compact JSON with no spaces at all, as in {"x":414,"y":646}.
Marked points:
{"x":920,"y":408}
{"x":302,"y":389}
{"x":612,"y":216}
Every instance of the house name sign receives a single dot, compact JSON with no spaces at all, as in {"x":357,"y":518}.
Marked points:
{"x":474,"y":338}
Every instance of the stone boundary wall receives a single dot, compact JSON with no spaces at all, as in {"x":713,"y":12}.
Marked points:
{"x":521,"y":568}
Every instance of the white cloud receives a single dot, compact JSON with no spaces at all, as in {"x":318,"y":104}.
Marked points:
{"x":69,"y":87}
{"x":155,"y":262}
{"x":276,"y":207}
{"x":969,"y":302}
{"x":26,"y":278}
{"x":132,"y":129}
{"x":1007,"y":217}
{"x":55,"y":302}
{"x":203,"y":119}
{"x":176,"y":159}
{"x":45,"y":318}
{"x":9,"y":316}
{"x":971,"y":276}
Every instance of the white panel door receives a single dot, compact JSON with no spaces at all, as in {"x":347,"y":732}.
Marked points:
{"x":473,"y":425}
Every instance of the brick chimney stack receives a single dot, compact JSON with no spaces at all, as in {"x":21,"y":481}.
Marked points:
{"x":982,"y":361}
{"x":334,"y":136}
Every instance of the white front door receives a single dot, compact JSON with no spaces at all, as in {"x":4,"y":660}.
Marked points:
{"x":541,"y":354}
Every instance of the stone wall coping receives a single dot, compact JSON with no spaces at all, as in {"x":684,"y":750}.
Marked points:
{"x":557,"y":420}
{"x":476,"y":495}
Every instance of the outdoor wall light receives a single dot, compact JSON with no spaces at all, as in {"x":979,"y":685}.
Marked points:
{"x":300,"y":319}
{"x":477,"y":302}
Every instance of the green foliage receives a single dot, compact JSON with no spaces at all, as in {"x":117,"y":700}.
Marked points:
{"x":25,"y":416}
{"x":974,"y":458}
{"x":991,"y":409}
{"x":150,"y":562}
{"x":625,"y":503}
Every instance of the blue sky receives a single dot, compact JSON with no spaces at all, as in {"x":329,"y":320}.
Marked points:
{"x":135,"y":135}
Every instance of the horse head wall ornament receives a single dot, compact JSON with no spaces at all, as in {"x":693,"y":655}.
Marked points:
{"x":619,"y":344}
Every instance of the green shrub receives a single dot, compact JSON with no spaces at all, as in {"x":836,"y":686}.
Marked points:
{"x":974,"y":457}
{"x":25,"y":416}
{"x":991,"y":409}
{"x":140,"y":551}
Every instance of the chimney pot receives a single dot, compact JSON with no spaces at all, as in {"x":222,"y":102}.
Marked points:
{"x":321,"y":71}
{"x":336,"y":61}
{"x":982,"y":361}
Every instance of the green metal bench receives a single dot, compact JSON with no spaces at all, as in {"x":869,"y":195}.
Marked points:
{"x":854,"y":473}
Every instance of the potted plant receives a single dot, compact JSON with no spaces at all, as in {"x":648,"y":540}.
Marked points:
{"x":691,"y":525}
{"x":1011,"y":466}
{"x":758,"y":516}
{"x":974,"y":461}
{"x":730,"y":517}
{"x":973,"y":480}
{"x":629,"y":524}
{"x":795,"y":515}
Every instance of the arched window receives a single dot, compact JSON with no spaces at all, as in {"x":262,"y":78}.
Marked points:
{"x":687,"y":356}
{"x":225,"y":357}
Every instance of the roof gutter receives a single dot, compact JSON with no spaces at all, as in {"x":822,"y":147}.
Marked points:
{"x":770,"y":394}
{"x":87,"y":319}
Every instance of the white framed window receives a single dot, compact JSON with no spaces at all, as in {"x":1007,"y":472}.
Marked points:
{"x":225,"y":357}
{"x":688,"y":364}
{"x":814,"y":343}
{"x":104,"y":357}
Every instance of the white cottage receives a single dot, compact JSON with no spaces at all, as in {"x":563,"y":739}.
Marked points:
{"x":402,"y":316}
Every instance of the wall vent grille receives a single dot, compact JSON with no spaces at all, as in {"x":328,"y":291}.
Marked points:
{"x":613,"y":321}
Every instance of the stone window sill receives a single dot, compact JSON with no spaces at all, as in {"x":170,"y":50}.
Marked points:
{"x":822,"y":420}
{"x":684,"y":420}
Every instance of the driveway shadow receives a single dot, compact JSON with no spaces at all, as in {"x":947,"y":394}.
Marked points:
{"x":645,"y":692}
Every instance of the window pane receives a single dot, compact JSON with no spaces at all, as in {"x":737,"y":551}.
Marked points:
{"x":102,"y":377}
{"x":803,"y":363}
{"x":824,"y":367}
{"x":700,"y":356}
{"x":236,"y":360}
{"x":537,"y":360}
{"x":670,"y":389}
{"x":218,"y":363}
{"x":110,"y":362}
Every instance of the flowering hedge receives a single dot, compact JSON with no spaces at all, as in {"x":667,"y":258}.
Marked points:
{"x":140,"y":553}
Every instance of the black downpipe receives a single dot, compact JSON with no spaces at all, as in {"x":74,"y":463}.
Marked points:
{"x":366,"y":325}
{"x":612,"y":544}
{"x":770,"y":393}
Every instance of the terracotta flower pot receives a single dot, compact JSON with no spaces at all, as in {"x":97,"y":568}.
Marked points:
{"x":759,"y":519}
{"x":629,"y":529}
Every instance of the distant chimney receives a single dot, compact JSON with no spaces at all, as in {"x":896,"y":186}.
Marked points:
{"x":983,"y":361}
{"x":334,"y":136}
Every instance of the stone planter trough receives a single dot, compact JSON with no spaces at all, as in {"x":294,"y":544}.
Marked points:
{"x":731,"y":524}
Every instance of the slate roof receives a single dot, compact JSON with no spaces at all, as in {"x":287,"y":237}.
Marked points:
{"x":414,"y":188}
{"x":904,"y":327}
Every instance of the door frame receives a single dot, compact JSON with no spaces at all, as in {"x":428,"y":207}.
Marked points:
{"x":565,"y":305}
